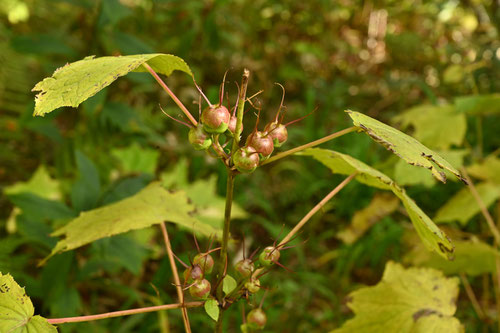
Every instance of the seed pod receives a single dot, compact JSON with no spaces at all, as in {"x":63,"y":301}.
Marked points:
{"x":215,"y":119}
{"x":277,"y":132}
{"x":246,"y":159}
{"x":269,"y":255}
{"x":200,"y":289}
{"x":256,"y":319}
{"x":232,"y":125}
{"x":262,"y":143}
{"x":192,"y":273}
{"x":244,"y":267}
{"x":252,"y":285}
{"x":198,"y":138}
{"x":205,"y":261}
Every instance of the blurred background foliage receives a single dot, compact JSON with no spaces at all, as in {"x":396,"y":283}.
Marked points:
{"x":430,"y":68}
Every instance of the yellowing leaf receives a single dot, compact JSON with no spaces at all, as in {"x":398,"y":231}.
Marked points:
{"x":433,"y":238}
{"x":462,"y":206}
{"x":73,"y":83}
{"x":436,"y":126}
{"x":150,"y":206}
{"x":404,"y":146}
{"x":414,"y":300}
{"x":382,"y":205}
{"x":488,"y":169}
{"x":40,"y":184}
{"x":472,"y":257}
{"x":17,"y":312}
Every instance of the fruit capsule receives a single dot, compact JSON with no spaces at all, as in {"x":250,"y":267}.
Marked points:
{"x":215,"y":119}
{"x":269,"y":256}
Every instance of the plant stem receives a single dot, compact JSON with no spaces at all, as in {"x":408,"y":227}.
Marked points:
{"x":472,"y":297}
{"x":310,"y":144}
{"x":313,"y":211}
{"x":240,"y":110}
{"x":170,"y":92}
{"x":177,"y":281}
{"x":124,"y":313}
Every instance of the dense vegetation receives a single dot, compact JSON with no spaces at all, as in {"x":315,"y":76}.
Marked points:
{"x":430,"y":69}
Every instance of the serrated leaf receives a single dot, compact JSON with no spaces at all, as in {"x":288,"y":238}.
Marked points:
{"x":414,"y":300}
{"x":472,"y":257}
{"x":17,"y":311}
{"x":404,"y":146}
{"x":462,"y":206}
{"x":150,"y":206}
{"x":381,"y":205}
{"x":478,"y":104}
{"x":228,"y":284}
{"x":433,"y":238}
{"x":40,"y":184}
{"x":136,"y":159}
{"x":488,"y":169}
{"x":212,"y":309}
{"x":73,"y":83}
{"x":435,"y":126}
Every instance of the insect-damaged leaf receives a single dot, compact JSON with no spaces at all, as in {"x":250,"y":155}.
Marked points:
{"x":73,"y":83}
{"x":17,"y":312}
{"x":433,"y":238}
{"x":404,"y":146}
{"x":414,"y":300}
{"x":150,"y":206}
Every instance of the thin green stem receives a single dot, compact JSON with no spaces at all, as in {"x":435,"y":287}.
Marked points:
{"x":240,"y":110}
{"x":114,"y":314}
{"x":170,"y":92}
{"x":310,"y":144}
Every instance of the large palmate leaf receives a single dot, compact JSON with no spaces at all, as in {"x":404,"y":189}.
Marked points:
{"x":436,"y":126}
{"x":433,"y":238}
{"x":17,"y":311}
{"x":150,"y":206}
{"x":73,"y":83}
{"x":404,"y":146}
{"x":463,"y":206}
{"x":414,"y":300}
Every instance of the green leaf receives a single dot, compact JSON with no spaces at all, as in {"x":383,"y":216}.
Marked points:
{"x":73,"y":83}
{"x":150,"y":206}
{"x":212,"y":309}
{"x":40,"y":184}
{"x":472,"y":257}
{"x":16,"y":310}
{"x":433,"y":238}
{"x":414,"y":300}
{"x":462,"y":206}
{"x":135,"y":159}
{"x":404,"y":146}
{"x":86,"y":190}
{"x":436,"y":126}
{"x":488,"y":169}
{"x":228,"y":284}
{"x":478,"y":104}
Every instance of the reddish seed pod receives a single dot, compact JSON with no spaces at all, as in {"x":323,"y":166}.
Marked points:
{"x":205,"y":261}
{"x":200,"y":289}
{"x":269,"y":256}
{"x":198,"y":138}
{"x":193,"y":273}
{"x":246,"y":159}
{"x":277,"y":132}
{"x":256,"y":319}
{"x":244,"y":267}
{"x":215,"y":119}
{"x":232,"y":125}
{"x":261,"y":142}
{"x":252,"y":285}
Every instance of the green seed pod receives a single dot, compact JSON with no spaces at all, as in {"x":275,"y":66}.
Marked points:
{"x":246,"y":159}
{"x":244,"y":267}
{"x":252,"y":285}
{"x":256,"y":319}
{"x":269,"y":255}
{"x":205,"y":261}
{"x":198,"y":138}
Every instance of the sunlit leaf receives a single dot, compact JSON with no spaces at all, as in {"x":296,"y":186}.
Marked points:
{"x":40,"y":184}
{"x":136,"y":159}
{"x":212,"y":308}
{"x":488,"y":169}
{"x":73,"y":83}
{"x":382,"y":205}
{"x":472,"y":257}
{"x":404,"y":146}
{"x":17,"y":311}
{"x":433,"y":238}
{"x":150,"y":206}
{"x":414,"y":300}
{"x":228,"y":284}
{"x":462,"y":206}
{"x":436,"y":126}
